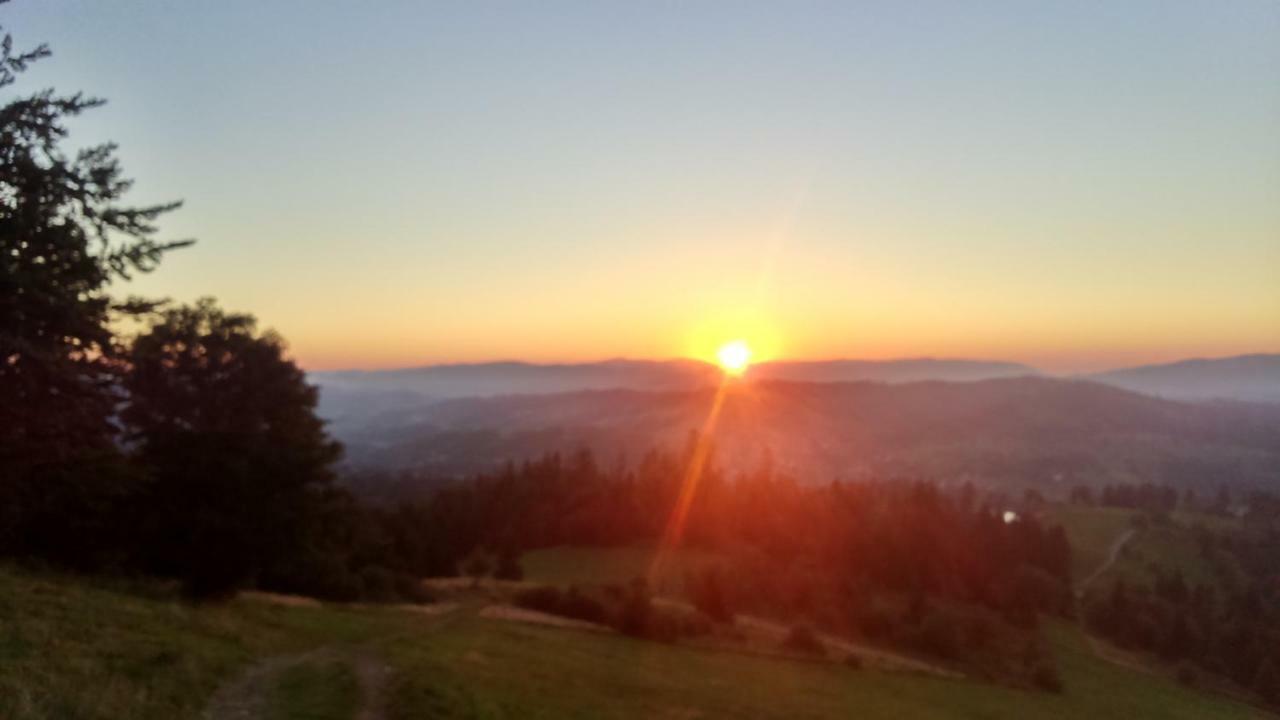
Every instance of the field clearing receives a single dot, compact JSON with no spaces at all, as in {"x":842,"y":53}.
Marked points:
{"x":1091,"y":531}
{"x":568,"y":565}
{"x":476,"y":669}
{"x":1171,"y":546}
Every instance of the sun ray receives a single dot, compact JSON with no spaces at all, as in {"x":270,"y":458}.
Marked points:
{"x":674,"y":530}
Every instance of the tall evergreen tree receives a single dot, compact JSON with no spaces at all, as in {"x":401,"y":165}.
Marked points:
{"x":65,"y":236}
{"x":226,"y":426}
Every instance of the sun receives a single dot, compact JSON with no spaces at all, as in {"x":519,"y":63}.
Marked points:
{"x":734,"y":357}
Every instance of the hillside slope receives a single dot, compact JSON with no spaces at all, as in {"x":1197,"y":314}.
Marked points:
{"x":1254,"y":378}
{"x":1013,"y":430}
{"x":73,"y":650}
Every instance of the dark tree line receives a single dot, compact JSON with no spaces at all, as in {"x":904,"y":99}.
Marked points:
{"x":897,"y":561}
{"x":191,"y":451}
{"x":65,"y":235}
{"x":1228,"y":627}
{"x":1137,"y":496}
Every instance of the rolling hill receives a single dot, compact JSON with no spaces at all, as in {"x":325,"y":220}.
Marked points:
{"x":1024,"y":431}
{"x":98,"y":652}
{"x":1253,"y":378}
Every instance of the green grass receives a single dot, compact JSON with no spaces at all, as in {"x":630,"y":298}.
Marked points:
{"x":1091,"y":531}
{"x":1171,"y":548}
{"x":568,"y":565}
{"x":321,"y":690}
{"x":71,"y":648}
{"x":474,"y":669}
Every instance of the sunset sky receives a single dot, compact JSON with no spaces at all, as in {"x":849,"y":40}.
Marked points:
{"x":391,"y":183}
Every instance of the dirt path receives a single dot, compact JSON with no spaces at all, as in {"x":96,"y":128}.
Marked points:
{"x":245,"y":697}
{"x":1112,"y":555}
{"x":1100,"y":647}
{"x":372,"y":672}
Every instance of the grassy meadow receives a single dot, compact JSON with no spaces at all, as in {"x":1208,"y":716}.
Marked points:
{"x":1091,"y":530}
{"x":71,"y":648}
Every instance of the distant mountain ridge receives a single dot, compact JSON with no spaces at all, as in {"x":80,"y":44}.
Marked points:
{"x":1253,"y":378}
{"x":1020,"y":431}
{"x":523,"y":378}
{"x":890,"y":371}
{"x":519,"y":378}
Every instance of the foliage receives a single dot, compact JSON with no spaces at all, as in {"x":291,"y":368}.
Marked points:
{"x":709,"y":595}
{"x":507,"y":566}
{"x":65,"y":236}
{"x":571,"y":603}
{"x":1224,"y":621}
{"x":226,"y":429}
{"x":477,"y":565}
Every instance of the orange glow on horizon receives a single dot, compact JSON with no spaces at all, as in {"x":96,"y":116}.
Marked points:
{"x":734,"y":357}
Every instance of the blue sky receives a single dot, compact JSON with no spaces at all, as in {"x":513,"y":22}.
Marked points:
{"x":1071,"y":184}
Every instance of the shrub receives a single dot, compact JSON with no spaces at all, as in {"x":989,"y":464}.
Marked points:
{"x":379,"y":584}
{"x":508,"y":566}
{"x":477,"y":564}
{"x":582,"y":607}
{"x":636,"y":615}
{"x":410,"y":589}
{"x":876,"y":622}
{"x":543,"y":599}
{"x":708,"y":593}
{"x":938,"y":635}
{"x":572,"y":604}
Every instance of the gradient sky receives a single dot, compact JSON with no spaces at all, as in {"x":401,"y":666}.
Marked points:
{"x":1076,"y":185}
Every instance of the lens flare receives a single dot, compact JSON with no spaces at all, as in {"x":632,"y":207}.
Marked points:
{"x":734,"y":357}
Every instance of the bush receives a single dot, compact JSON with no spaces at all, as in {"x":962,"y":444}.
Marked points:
{"x":477,"y":565}
{"x":1043,"y":673}
{"x":543,"y":599}
{"x":572,"y":604}
{"x":979,"y":631}
{"x":411,"y":589}
{"x":938,"y":635}
{"x":802,"y":639}
{"x":379,"y":584}
{"x":707,"y":589}
{"x":508,"y":567}
{"x":876,"y":622}
{"x":318,"y":575}
{"x":636,"y":615}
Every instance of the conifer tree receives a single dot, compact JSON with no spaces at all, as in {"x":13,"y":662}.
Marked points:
{"x":65,"y":235}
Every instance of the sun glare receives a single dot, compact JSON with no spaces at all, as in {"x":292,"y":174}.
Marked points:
{"x":734,"y":357}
